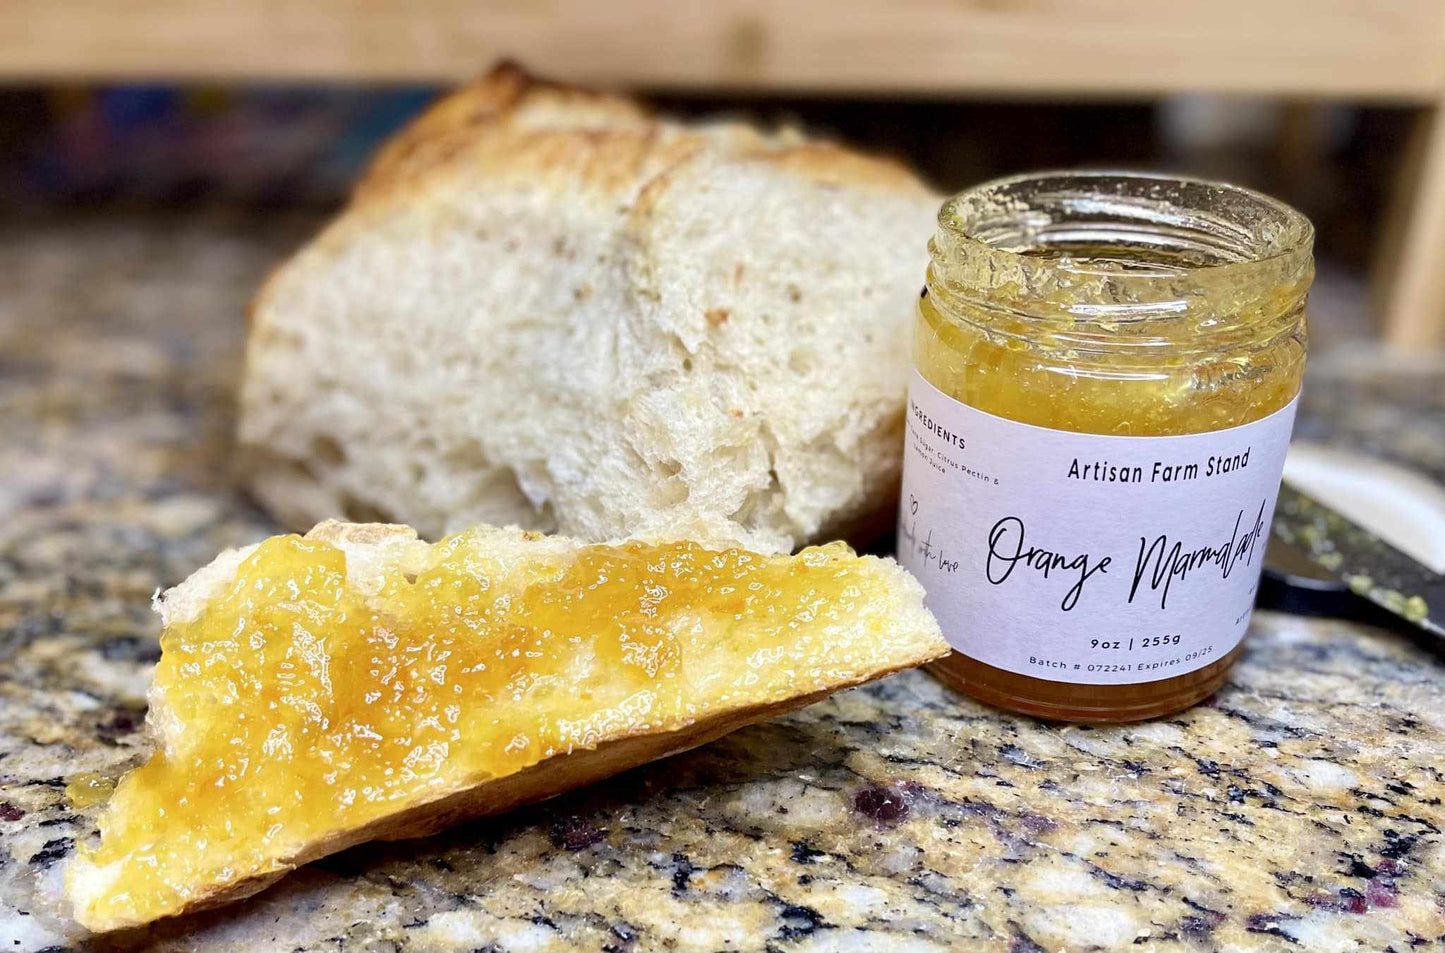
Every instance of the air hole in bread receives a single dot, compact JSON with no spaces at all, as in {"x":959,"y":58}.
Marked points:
{"x":754,"y":511}
{"x":671,"y":493}
{"x":497,"y":494}
{"x":759,"y":505}
{"x":546,"y":521}
{"x":357,"y":510}
{"x":466,"y":455}
{"x":327,"y":450}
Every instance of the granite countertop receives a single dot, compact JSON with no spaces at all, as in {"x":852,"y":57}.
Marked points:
{"x":1301,"y":808}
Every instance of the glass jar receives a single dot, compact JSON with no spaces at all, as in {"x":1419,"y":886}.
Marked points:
{"x":1106,"y":373}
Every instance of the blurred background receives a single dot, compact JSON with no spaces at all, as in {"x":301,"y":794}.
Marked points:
{"x":180,"y":147}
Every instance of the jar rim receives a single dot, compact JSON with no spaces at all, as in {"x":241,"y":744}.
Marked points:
{"x":1293,"y":233}
{"x":1185,"y":242}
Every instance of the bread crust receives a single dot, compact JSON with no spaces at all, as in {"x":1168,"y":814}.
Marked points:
{"x":509,"y":122}
{"x":372,"y":550}
{"x":452,"y":129}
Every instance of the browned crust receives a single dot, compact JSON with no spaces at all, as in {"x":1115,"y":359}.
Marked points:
{"x":571,"y":118}
{"x":450,"y":126}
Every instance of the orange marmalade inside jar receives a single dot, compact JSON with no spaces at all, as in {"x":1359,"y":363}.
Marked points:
{"x":1121,"y":306}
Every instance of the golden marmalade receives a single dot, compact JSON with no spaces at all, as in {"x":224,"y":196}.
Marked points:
{"x":1121,"y":305}
{"x":305,"y":706}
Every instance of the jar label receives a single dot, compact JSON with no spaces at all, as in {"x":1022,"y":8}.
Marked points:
{"x":1085,"y":558}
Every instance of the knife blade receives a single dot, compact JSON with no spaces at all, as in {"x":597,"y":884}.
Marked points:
{"x":1308,"y":535}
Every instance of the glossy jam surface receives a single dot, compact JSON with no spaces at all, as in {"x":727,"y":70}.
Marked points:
{"x":295,"y":705}
{"x":88,"y":789}
{"x":1232,"y":352}
{"x":1166,"y":391}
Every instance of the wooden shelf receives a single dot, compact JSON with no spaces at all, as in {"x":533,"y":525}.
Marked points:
{"x":1351,"y":48}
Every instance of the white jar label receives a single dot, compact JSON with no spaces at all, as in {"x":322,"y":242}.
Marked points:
{"x":1086,"y":558}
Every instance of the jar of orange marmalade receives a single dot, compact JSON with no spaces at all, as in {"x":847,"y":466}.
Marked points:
{"x":1107,"y":367}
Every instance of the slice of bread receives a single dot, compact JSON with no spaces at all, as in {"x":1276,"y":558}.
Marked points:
{"x":545,"y":307}
{"x":361,"y":684}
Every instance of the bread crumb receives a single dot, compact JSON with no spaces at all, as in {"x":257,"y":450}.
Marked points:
{"x":718,"y":316}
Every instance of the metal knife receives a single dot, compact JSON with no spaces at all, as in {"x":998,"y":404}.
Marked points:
{"x":1326,"y":563}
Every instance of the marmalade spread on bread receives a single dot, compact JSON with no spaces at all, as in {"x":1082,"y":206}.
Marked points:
{"x":295,"y":705}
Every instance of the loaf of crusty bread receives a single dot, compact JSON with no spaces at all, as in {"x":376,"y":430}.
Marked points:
{"x":362,"y":684}
{"x":545,"y":307}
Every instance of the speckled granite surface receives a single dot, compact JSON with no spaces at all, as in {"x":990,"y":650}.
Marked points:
{"x":1299,"y":809}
